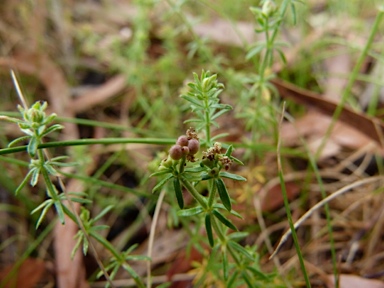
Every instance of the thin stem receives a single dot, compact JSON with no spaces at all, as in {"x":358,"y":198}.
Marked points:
{"x":79,"y":142}
{"x":194,"y":192}
{"x":106,"y":244}
{"x":207,"y":120}
{"x":212,"y":192}
{"x":182,"y":165}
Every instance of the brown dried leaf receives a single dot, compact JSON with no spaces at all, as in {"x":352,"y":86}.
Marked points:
{"x":371,"y":127}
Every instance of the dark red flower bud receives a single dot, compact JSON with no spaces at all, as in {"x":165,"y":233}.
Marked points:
{"x":176,"y":152}
{"x":185,"y":150}
{"x":194,"y":146}
{"x":182,"y":141}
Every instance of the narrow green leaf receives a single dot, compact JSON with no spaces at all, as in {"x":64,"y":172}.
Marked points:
{"x":178,"y":192}
{"x":51,"y":129}
{"x":193,"y":100}
{"x":59,"y":158}
{"x":223,"y":193}
{"x":194,"y":120}
{"x":161,"y":172}
{"x":247,"y":279}
{"x":190,"y":212}
{"x":85,"y":245}
{"x":161,"y":183}
{"x":224,"y":220}
{"x":100,"y":227}
{"x":35,"y":172}
{"x":229,"y":151}
{"x":238,"y":235}
{"x":70,"y":214}
{"x":32,"y":146}
{"x":17,"y":140}
{"x":81,"y":200}
{"x":43,"y":213}
{"x":234,"y":159}
{"x":60,"y":212}
{"x":208,"y":228}
{"x":240,"y":249}
{"x":205,"y":176}
{"x":102,"y":213}
{"x":232,"y":279}
{"x":195,"y":169}
{"x":218,"y":114}
{"x":221,"y":135}
{"x":24,"y":182}
{"x":50,"y":169}
{"x":134,"y":275}
{"x":233,"y":212}
{"x":78,"y":235}
{"x":232,"y":176}
{"x":258,"y":273}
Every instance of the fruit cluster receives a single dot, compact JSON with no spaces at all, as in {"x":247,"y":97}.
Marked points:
{"x":186,"y":145}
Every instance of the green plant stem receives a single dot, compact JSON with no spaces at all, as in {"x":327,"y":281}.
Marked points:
{"x":207,"y":121}
{"x":212,"y":192}
{"x":194,"y":192}
{"x":51,"y":189}
{"x":105,"y":141}
{"x":106,"y":244}
{"x":182,"y":165}
{"x":291,"y":225}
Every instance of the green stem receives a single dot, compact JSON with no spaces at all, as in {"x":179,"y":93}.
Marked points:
{"x":106,"y":244}
{"x":182,"y":165}
{"x":292,"y":227}
{"x":194,"y":192}
{"x":50,"y":187}
{"x":104,"y":141}
{"x":207,"y":121}
{"x":212,"y":192}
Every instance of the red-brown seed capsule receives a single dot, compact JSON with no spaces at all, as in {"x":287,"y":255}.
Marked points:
{"x":185,"y":150}
{"x":176,"y":152}
{"x":182,"y":141}
{"x":194,"y":146}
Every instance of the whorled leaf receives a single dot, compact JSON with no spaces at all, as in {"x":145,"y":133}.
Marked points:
{"x":223,"y":193}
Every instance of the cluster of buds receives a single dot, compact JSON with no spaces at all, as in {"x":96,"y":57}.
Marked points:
{"x":213,"y":156}
{"x":186,"y":145}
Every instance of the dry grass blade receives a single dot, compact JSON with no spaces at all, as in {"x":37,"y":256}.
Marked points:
{"x":322,"y":203}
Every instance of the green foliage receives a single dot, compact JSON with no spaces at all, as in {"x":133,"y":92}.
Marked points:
{"x":210,"y":169}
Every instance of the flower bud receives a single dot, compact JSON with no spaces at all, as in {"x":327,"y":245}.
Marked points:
{"x":182,"y":141}
{"x":269,"y":8}
{"x":176,"y":152}
{"x":194,"y":146}
{"x":166,"y":162}
{"x":185,"y":150}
